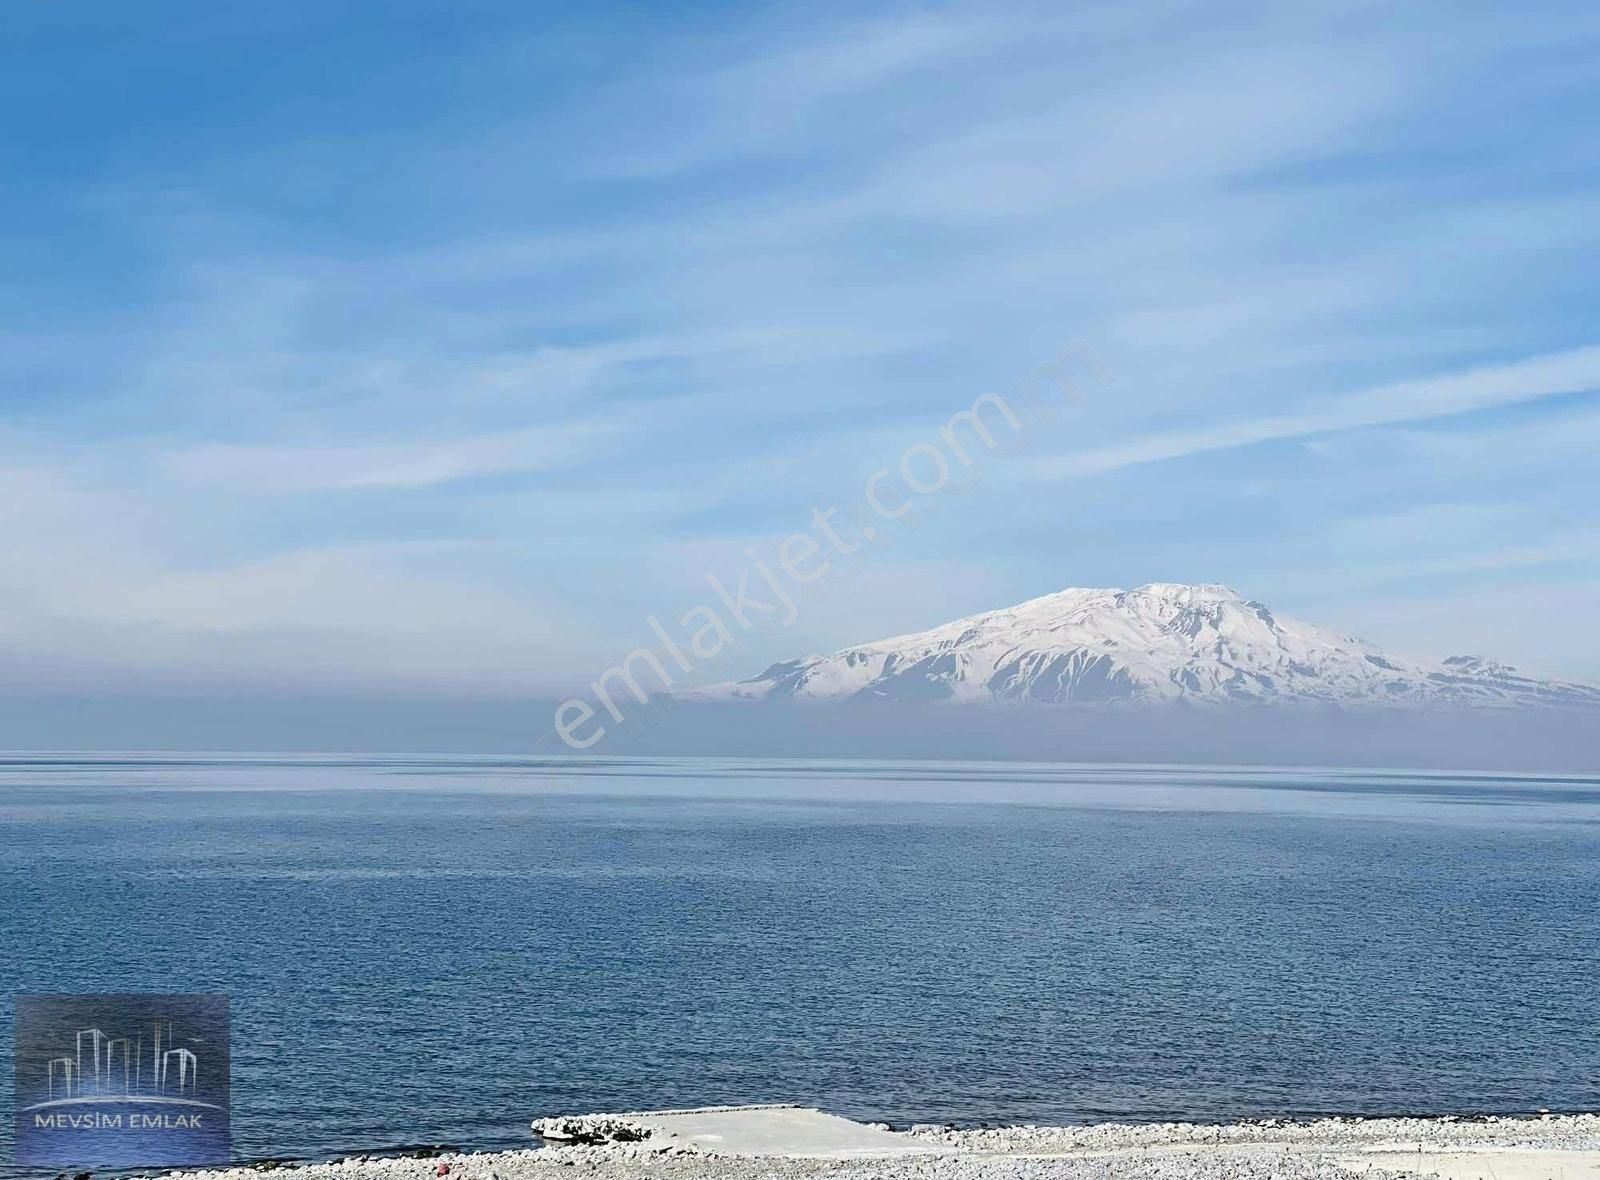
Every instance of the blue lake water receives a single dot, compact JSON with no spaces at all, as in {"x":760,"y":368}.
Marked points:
{"x":431,"y":951}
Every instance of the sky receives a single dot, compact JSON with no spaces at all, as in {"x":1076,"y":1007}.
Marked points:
{"x":437,"y":348}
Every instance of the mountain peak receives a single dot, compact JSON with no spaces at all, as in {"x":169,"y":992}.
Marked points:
{"x":1479,"y":666}
{"x":1189,"y":591}
{"x":1161,"y":642}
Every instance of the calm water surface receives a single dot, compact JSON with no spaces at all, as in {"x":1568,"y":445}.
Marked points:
{"x":436,"y":951}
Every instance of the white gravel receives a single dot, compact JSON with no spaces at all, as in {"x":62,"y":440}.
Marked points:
{"x":1548,"y":1145}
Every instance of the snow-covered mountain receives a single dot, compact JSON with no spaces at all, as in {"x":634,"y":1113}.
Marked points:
{"x":1159,"y":643}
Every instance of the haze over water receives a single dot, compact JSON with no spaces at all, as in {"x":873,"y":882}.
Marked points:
{"x":435,"y":951}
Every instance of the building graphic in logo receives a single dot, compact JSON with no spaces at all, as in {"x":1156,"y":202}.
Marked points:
{"x":122,"y":1079}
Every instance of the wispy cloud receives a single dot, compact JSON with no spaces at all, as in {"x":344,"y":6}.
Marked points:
{"x":417,"y":464}
{"x":1483,"y":388}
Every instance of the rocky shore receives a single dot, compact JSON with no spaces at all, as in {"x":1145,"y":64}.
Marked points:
{"x":1545,"y":1147}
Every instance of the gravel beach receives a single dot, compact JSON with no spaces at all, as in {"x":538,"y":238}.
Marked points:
{"x":1545,"y":1147}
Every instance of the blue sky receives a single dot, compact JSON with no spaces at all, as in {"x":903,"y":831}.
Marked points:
{"x":433,"y":347}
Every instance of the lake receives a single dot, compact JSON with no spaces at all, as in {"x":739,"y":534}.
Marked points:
{"x":432,"y":951}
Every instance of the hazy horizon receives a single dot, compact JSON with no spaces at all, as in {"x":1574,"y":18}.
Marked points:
{"x":1549,"y":741}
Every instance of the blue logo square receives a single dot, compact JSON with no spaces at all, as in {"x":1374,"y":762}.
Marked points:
{"x":122,"y":1080}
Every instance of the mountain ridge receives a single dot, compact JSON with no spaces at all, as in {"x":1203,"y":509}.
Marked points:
{"x":1163,"y":642}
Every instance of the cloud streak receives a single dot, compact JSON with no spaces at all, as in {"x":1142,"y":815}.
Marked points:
{"x":397,"y":466}
{"x":1485,"y":388}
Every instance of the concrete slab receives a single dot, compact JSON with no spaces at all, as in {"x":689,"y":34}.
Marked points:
{"x":796,"y":1132}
